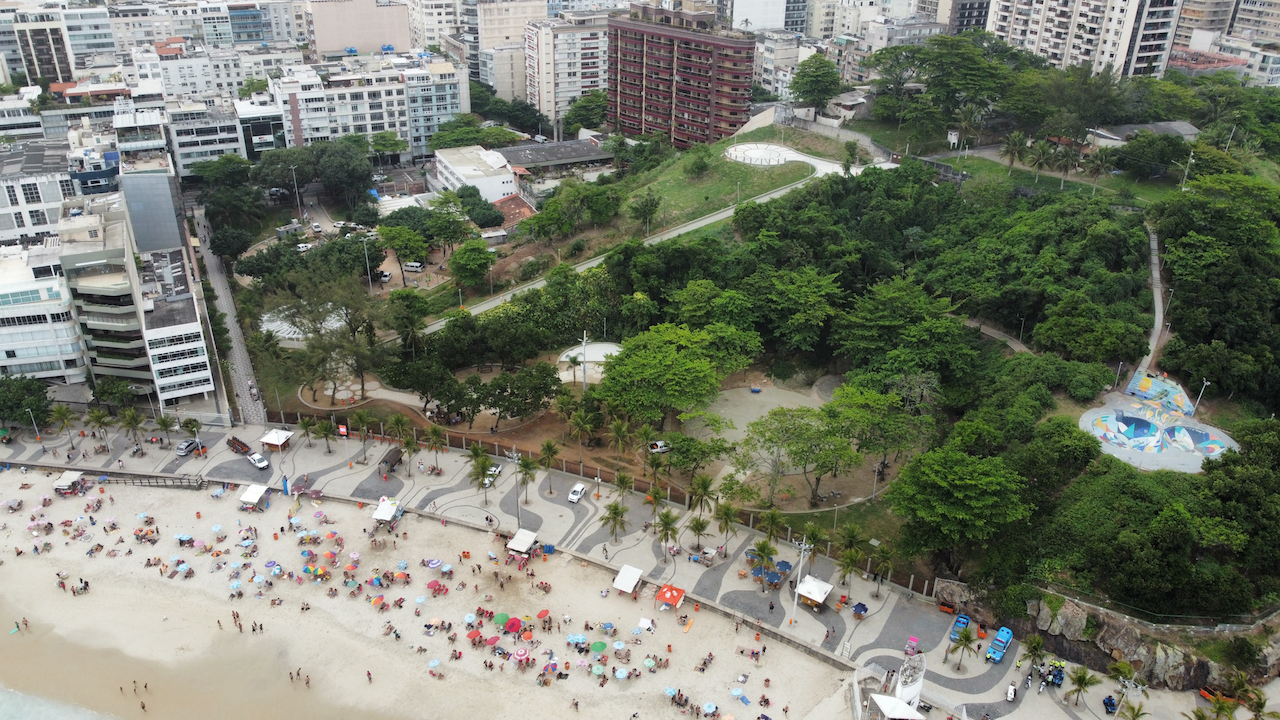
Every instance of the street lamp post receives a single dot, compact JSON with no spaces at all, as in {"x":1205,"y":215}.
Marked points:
{"x":1202,"y":387}
{"x":294,"y":170}
{"x":33,"y":423}
{"x":1021,"y":327}
{"x":805,"y":547}
{"x":1117,"y":382}
{"x":367,"y":271}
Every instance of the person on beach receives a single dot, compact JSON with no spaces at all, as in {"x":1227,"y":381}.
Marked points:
{"x":369,"y":674}
{"x":308,"y":682}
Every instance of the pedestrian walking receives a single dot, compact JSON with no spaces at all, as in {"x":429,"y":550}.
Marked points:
{"x":369,"y":674}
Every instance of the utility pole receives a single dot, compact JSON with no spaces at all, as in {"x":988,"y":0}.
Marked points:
{"x":367,"y":271}
{"x":1202,"y":387}
{"x":584,"y":363}
{"x":1021,"y":327}
{"x":1117,"y":382}
{"x":805,"y":547}
{"x":33,"y":422}
{"x":1187,"y":170}
{"x":296,"y":196}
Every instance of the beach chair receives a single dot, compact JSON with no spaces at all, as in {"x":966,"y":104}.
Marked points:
{"x":217,"y":494}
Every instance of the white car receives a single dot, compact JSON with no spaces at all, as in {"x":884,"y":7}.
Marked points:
{"x":339,"y":224}
{"x":258,"y":461}
{"x":303,"y":247}
{"x":660,"y":446}
{"x":577,"y":492}
{"x":316,"y":228}
{"x":491,"y":475}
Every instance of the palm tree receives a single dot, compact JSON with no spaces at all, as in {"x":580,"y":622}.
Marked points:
{"x":436,"y":440}
{"x":1081,"y":680}
{"x":765,"y":553}
{"x":1033,"y":649}
{"x":1126,"y":677}
{"x":527,"y":467}
{"x":657,"y":463}
{"x":1198,"y":714}
{"x":622,"y":484}
{"x":615,"y":518}
{"x":668,"y":526}
{"x":360,"y":421}
{"x":65,"y":417}
{"x":581,"y":428}
{"x":644,"y":437}
{"x":307,"y":426}
{"x":547,"y":458}
{"x":726,"y":517}
{"x":1222,"y":708}
{"x":702,"y":494}
{"x":480,"y":464}
{"x":966,"y":642}
{"x":969,"y":122}
{"x":619,"y":435}
{"x":131,"y":423}
{"x":848,"y":562}
{"x":882,"y":563}
{"x":698,"y":526}
{"x":398,"y":426}
{"x":813,"y":533}
{"x":1129,"y":711}
{"x":771,"y":523}
{"x":1065,"y":159}
{"x":1255,"y":701}
{"x":564,"y":407}
{"x":100,"y":419}
{"x":166,"y":424}
{"x":848,"y":535}
{"x":1098,"y":163}
{"x":192,"y":427}
{"x":654,"y":501}
{"x":326,"y":430}
{"x":1039,"y":156}
{"x":1013,"y":148}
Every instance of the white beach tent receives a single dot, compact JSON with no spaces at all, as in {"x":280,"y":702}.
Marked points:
{"x":66,"y":480}
{"x":627,"y":578}
{"x":522,"y":541}
{"x":891,"y":708}
{"x":253,"y":494}
{"x":386,"y":509}
{"x":813,"y":591}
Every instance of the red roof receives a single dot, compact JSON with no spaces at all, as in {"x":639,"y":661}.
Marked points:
{"x":514,"y":209}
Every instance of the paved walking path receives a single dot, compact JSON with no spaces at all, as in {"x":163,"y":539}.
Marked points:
{"x":1157,"y":300}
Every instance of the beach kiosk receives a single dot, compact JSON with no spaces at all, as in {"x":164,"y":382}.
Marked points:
{"x":887,"y":707}
{"x":669,"y":595}
{"x":68,"y":483}
{"x":276,"y":439}
{"x":522,"y":542}
{"x":253,"y":498}
{"x":813,"y":592}
{"x":387,"y":512}
{"x":627,"y":579}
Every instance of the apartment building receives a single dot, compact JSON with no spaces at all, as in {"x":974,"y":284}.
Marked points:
{"x":431,"y":21}
{"x":488,"y":24}
{"x":35,"y":181}
{"x":962,"y":15}
{"x":777,"y":54}
{"x":1256,"y":20}
{"x":333,"y":26}
{"x":555,"y":7}
{"x":367,"y":96}
{"x":94,"y":98}
{"x":186,"y":68}
{"x":39,"y":336}
{"x":1253,"y":61}
{"x":200,"y":132}
{"x":565,"y":58}
{"x":673,"y":71}
{"x":16,"y":118}
{"x":821,"y":20}
{"x":261,"y":125}
{"x":1133,"y":37}
{"x":502,"y":68}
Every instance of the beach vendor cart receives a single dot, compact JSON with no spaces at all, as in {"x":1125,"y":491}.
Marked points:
{"x":627,"y":580}
{"x":521,"y":546}
{"x":69,"y":483}
{"x":387,"y":513}
{"x":813,"y":592}
{"x":254,"y":498}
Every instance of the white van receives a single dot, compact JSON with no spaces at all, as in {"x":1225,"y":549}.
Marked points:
{"x":577,"y":492}
{"x":414,"y":267}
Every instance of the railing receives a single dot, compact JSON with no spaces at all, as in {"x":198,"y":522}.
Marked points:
{"x":182,"y":483}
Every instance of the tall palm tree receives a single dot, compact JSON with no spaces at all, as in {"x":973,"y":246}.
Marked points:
{"x":564,"y":406}
{"x":64,"y":417}
{"x":726,"y":517}
{"x":307,"y":426}
{"x":644,"y":437}
{"x":131,"y":423}
{"x":1013,"y":148}
{"x":1222,"y":708}
{"x":668,"y":526}
{"x":813,"y":533}
{"x":1098,"y":163}
{"x":1129,"y":711}
{"x":1255,"y":701}
{"x":654,"y":501}
{"x":1065,"y":159}
{"x":766,"y":553}
{"x":326,"y":430}
{"x":436,"y":440}
{"x":849,"y":562}
{"x":100,"y":420}
{"x":882,"y":563}
{"x":771,"y":522}
{"x":1033,"y":649}
{"x":657,"y":464}
{"x":547,"y":458}
{"x":398,"y":426}
{"x":192,"y":427}
{"x":581,"y":427}
{"x":361,"y":420}
{"x":702,"y":494}
{"x":698,"y":526}
{"x":966,"y":643}
{"x":848,"y":535}
{"x":1039,"y":156}
{"x":615,"y":518}
{"x":1199,"y":714}
{"x":623,"y":484}
{"x":480,"y":465}
{"x":166,"y":424}
{"x":969,"y":122}
{"x":1081,"y":680}
{"x":1126,"y":677}
{"x":619,"y":435}
{"x":527,"y":467}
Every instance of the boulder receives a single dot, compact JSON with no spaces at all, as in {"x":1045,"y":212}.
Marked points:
{"x":1044,"y":618}
{"x":1072,"y":619}
{"x":1120,"y":637}
{"x":1033,"y":608}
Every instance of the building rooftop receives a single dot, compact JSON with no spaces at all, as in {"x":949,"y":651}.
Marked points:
{"x":1170,"y":127}
{"x":554,"y":153}
{"x":33,"y":157}
{"x":474,"y":162}
{"x":166,"y":294}
{"x":514,"y":208}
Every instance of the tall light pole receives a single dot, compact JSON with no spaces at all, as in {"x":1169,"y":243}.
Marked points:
{"x":33,"y":422}
{"x":1202,"y":387}
{"x":805,"y":547}
{"x":584,"y":363}
{"x":367,"y":271}
{"x":1021,"y":326}
{"x":1117,"y":382}
{"x":294,"y":170}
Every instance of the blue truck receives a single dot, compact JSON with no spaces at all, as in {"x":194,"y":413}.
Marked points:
{"x":962,"y":622}
{"x":995,"y":653}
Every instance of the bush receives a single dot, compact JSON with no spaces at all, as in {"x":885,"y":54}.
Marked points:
{"x":576,"y":248}
{"x":534,"y":266}
{"x":1241,"y":653}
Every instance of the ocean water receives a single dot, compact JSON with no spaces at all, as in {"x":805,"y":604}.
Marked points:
{"x":18,"y":706}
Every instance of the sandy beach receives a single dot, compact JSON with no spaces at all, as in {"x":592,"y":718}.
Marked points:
{"x":136,"y":623}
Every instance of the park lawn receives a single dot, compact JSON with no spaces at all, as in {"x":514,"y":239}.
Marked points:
{"x":875,"y":518}
{"x":806,"y":142}
{"x":981,"y":168}
{"x":889,"y":135}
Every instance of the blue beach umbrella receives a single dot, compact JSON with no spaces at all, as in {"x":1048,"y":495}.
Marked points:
{"x":235,"y":585}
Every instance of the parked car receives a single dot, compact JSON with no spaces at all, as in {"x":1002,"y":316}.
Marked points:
{"x":379,"y":178}
{"x":491,"y":475}
{"x":303,"y":247}
{"x":1000,"y":645}
{"x":188,"y":446}
{"x":316,"y":228}
{"x":577,"y":492}
{"x":659,"y":446}
{"x":414,"y":267}
{"x":339,"y":224}
{"x":384,"y":276}
{"x":962,"y":622}
{"x":539,"y":138}
{"x":258,"y":461}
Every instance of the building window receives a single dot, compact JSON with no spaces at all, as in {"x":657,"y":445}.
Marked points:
{"x":68,"y":188}
{"x":13,"y":194}
{"x":19,"y":298}
{"x":30,"y":193}
{"x":24,"y":320}
{"x":18,"y":220}
{"x":37,"y":217}
{"x":175,"y":340}
{"x":60,"y":317}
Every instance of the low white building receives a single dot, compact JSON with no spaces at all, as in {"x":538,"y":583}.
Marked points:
{"x":198,"y":132}
{"x":35,"y":179}
{"x":487,"y":170}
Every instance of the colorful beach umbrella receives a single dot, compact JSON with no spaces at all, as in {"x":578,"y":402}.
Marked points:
{"x":597,"y":670}
{"x":620,"y":674}
{"x":619,"y":645}
{"x":354,"y":556}
{"x":259,"y":579}
{"x":184,"y":567}
{"x":350,"y":567}
{"x":736,"y":692}
{"x":492,"y":641}
{"x":235,"y":584}
{"x":521,"y":653}
{"x":377,"y":600}
{"x":709,"y":708}
{"x":434,"y":663}
{"x":473,"y":634}
{"x":649,"y":662}
{"x":543,"y":614}
{"x":671,"y":692}
{"x":501,"y":618}
{"x":331,"y":534}
{"x":328,"y":555}
{"x":470,"y":618}
{"x":435,"y":584}
{"x":512,"y":625}
{"x":421,"y":599}
{"x":598,"y":646}
{"x":401,"y":576}
{"x":528,"y":635}
{"x":433,"y":564}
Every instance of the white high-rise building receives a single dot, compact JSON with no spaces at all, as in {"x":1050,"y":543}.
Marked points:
{"x":39,"y":336}
{"x":565,"y":58}
{"x":431,"y":21}
{"x":502,"y":68}
{"x":1133,"y":37}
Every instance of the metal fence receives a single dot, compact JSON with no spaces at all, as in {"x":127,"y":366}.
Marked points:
{"x":180,"y":483}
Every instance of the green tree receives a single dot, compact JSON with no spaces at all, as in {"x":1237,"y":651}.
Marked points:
{"x":1033,"y":649}
{"x":360,"y":421}
{"x":1099,"y":162}
{"x":586,"y":111}
{"x":406,"y":244}
{"x":251,"y":86}
{"x":192,"y":428}
{"x":387,"y":142}
{"x":882,"y":564}
{"x":615,"y":518}
{"x":436,"y":440}
{"x":644,"y":207}
{"x":698,"y":526}
{"x":18,"y":394}
{"x":582,"y":427}
{"x":307,"y":426}
{"x":448,"y":222}
{"x":470,"y":263}
{"x":64,"y":418}
{"x":230,"y":242}
{"x":699,"y":162}
{"x":966,"y":643}
{"x":667,"y":525}
{"x":546,"y":458}
{"x":479,"y":473}
{"x":326,"y":430}
{"x":771,"y":522}
{"x":1039,"y":156}
{"x":527,"y":468}
{"x":619,"y":435}
{"x":166,"y":424}
{"x":230,"y":206}
{"x":345,"y":170}
{"x":1013,"y":147}
{"x":702,"y":494}
{"x":99,"y":420}
{"x":623,"y":484}
{"x":849,"y":562}
{"x":815,"y":81}
{"x":1065,"y":159}
{"x":726,"y":517}
{"x":278,"y":168}
{"x":399,"y":426}
{"x":1081,"y":680}
{"x":229,"y":170}
{"x":1149,"y":155}
{"x":1129,"y":711}
{"x":131,"y":423}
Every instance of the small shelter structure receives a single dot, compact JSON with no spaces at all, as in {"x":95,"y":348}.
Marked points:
{"x":68,"y":483}
{"x":522,"y":541}
{"x":670,"y":595}
{"x":253,"y":495}
{"x":627,"y":579}
{"x":887,"y":707}
{"x":276,"y":439}
{"x":813,"y":592}
{"x":388,"y":510}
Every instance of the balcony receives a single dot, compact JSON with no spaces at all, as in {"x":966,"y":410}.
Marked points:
{"x":89,"y":306}
{"x":109,"y":322}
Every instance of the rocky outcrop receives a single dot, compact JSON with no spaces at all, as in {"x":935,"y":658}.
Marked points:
{"x":1072,"y":620}
{"x":1121,"y":641}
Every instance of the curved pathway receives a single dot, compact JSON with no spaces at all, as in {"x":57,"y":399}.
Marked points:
{"x":1157,"y":300}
